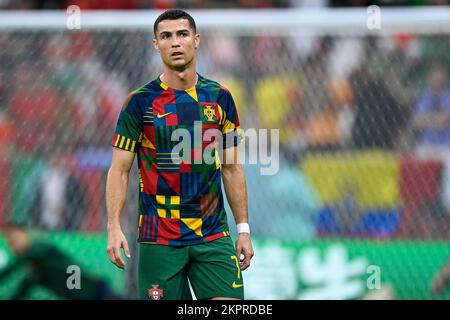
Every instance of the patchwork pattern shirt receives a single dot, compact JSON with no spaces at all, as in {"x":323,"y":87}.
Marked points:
{"x":177,"y":135}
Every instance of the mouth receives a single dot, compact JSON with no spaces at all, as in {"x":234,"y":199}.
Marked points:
{"x":176,"y":54}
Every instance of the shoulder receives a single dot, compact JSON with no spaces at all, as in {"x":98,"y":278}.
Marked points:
{"x":148,"y":91}
{"x":142,"y":96}
{"x":214,"y":86}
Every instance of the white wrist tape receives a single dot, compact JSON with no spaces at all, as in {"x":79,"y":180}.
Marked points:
{"x":243,"y":228}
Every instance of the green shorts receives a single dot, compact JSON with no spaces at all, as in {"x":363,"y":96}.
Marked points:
{"x":212,"y":269}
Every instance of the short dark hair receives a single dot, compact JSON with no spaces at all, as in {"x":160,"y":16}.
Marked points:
{"x":175,"y":14}
{"x":13,"y":225}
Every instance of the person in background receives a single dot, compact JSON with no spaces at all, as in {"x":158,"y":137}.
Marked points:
{"x":47,"y":267}
{"x":432,"y":112}
{"x":431,"y":122}
{"x":441,"y":281}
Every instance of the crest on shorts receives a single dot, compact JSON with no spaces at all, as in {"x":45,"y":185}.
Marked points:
{"x":155,"y":293}
{"x":209,"y":112}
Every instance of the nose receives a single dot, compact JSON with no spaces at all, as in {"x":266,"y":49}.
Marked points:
{"x":175,"y":42}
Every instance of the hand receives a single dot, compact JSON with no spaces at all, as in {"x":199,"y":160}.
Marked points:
{"x":244,"y":246}
{"x":117,"y":240}
{"x":439,"y":284}
{"x":441,"y":280}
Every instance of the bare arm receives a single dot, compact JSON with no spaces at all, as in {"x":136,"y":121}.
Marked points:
{"x":236,"y":192}
{"x":116,"y":193}
{"x":441,"y":280}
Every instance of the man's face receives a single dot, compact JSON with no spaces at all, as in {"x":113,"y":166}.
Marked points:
{"x":176,"y":43}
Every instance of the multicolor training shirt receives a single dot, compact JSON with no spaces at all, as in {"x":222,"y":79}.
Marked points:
{"x":180,"y":199}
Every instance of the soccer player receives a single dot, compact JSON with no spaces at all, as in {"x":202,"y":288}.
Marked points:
{"x":47,"y":268}
{"x":183,"y":230}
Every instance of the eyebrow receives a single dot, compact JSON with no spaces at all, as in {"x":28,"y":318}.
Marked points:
{"x":178,"y":31}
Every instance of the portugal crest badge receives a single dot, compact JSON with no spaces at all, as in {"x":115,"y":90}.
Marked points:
{"x":155,"y":293}
{"x":209,"y":112}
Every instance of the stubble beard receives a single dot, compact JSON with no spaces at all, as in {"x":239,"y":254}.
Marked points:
{"x":181,"y":68}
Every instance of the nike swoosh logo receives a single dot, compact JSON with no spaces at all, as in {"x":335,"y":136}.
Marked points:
{"x":235,"y":285}
{"x":163,"y":115}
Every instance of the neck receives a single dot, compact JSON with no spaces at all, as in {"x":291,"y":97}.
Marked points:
{"x":179,"y":79}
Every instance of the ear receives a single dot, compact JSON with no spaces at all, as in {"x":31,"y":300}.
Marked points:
{"x":155,"y":44}
{"x":197,"y":39}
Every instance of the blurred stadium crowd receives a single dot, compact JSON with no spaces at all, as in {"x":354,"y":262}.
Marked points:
{"x":386,"y":107}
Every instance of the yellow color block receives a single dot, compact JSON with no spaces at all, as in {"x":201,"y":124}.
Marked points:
{"x":121,"y":142}
{"x":147,"y":143}
{"x":117,"y":140}
{"x":271,"y":94}
{"x":193,"y":93}
{"x":194,"y":224}
{"x":175,"y":200}
{"x":141,"y":182}
{"x":161,"y":199}
{"x":217,"y":156}
{"x":163,"y":85}
{"x":371,"y":177}
{"x":228,"y":126}
{"x":221,"y":114}
{"x":161,"y":213}
{"x":175,"y":214}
